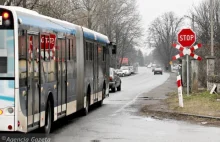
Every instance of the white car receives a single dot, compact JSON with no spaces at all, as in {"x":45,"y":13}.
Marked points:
{"x":131,"y":68}
{"x":125,"y":70}
{"x":119,"y":72}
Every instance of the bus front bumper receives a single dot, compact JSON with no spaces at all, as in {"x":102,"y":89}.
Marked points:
{"x":7,"y":123}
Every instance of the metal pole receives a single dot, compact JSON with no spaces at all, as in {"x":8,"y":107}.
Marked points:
{"x":193,"y":26}
{"x":187,"y":75}
{"x":212,"y":31}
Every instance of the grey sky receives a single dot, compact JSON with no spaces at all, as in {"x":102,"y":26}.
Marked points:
{"x":151,"y":9}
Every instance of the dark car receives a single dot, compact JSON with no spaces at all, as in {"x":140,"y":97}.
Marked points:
{"x":114,"y":81}
{"x":158,"y":71}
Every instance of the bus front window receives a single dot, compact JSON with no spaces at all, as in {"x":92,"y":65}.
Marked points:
{"x":7,"y":53}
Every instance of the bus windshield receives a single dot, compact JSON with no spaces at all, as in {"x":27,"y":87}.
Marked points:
{"x":7,"y":59}
{"x":6,"y":53}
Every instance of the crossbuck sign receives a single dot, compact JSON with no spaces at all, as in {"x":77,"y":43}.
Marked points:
{"x":186,"y":38}
{"x":187,"y":51}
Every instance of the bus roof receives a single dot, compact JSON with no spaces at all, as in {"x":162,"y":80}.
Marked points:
{"x":33,"y":18}
{"x":90,"y":34}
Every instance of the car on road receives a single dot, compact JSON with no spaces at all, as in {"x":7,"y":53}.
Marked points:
{"x":119,"y":72}
{"x":114,"y":81}
{"x":158,"y":70}
{"x":126,"y":70}
{"x":131,"y":68}
{"x":149,"y":66}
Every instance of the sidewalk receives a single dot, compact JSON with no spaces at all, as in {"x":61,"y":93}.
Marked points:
{"x":154,"y":97}
{"x":153,"y":104}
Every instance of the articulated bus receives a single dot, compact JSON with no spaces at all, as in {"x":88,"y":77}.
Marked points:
{"x":49,"y":69}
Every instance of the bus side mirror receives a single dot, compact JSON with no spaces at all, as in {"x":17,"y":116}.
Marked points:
{"x":114,"y":49}
{"x":19,"y":21}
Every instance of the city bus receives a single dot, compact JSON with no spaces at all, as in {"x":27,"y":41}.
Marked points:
{"x":49,"y":69}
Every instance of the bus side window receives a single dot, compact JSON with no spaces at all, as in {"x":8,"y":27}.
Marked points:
{"x":51,"y":62}
{"x":104,"y":54}
{"x":87,"y":51}
{"x":51,"y":71}
{"x":59,"y":55}
{"x":74,"y":49}
{"x":36,"y":56}
{"x":71,"y":49}
{"x":44,"y":60}
{"x":22,"y":60}
{"x":91,"y":51}
{"x":69,"y":58}
{"x":63,"y":46}
{"x":100,"y":53}
{"x":67,"y":50}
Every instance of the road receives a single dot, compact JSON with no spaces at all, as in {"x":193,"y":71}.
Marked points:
{"x":116,"y":120}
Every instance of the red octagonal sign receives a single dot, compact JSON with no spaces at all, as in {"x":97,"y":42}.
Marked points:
{"x":186,"y":37}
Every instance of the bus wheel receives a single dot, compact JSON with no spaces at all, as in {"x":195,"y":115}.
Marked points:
{"x":114,"y":89}
{"x":48,"y":120}
{"x":119,"y":87}
{"x":86,"y":109}
{"x":103,"y":96}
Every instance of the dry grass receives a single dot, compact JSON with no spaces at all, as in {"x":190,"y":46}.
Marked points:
{"x":197,"y":103}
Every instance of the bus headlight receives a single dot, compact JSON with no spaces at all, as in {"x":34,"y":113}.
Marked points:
{"x":1,"y":112}
{"x":10,"y":110}
{"x":7,"y":22}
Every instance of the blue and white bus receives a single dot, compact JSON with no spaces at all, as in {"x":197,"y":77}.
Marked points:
{"x":49,"y":69}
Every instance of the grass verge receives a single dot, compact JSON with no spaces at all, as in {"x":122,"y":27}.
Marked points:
{"x":201,"y":103}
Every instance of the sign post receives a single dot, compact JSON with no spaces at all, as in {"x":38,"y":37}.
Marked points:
{"x":186,"y":38}
{"x":187,"y":58}
{"x":180,"y":93}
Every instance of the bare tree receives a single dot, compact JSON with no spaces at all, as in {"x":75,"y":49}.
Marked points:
{"x":118,"y":19}
{"x":122,"y":25}
{"x":202,"y":18}
{"x":162,"y":34}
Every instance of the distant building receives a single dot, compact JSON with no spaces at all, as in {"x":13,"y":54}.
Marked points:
{"x":124,"y":61}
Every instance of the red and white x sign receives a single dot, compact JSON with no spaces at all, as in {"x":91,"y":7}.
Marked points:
{"x":187,"y":51}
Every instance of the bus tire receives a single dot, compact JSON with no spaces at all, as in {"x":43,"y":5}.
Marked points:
{"x":48,"y":119}
{"x":103,"y":96}
{"x":119,"y":87}
{"x":86,"y":109}
{"x":114,"y":89}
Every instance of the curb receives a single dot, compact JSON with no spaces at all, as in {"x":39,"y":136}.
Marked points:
{"x":187,"y":114}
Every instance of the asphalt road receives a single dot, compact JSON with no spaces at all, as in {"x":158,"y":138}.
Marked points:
{"x":116,"y":120}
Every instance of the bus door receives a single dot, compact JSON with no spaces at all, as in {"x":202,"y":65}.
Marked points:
{"x":62,"y":83}
{"x":95,"y":72}
{"x":33,"y":80}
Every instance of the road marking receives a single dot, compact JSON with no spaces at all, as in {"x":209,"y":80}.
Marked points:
{"x":133,"y":100}
{"x":127,"y":104}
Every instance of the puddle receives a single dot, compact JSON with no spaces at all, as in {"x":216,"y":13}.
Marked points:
{"x":143,"y":118}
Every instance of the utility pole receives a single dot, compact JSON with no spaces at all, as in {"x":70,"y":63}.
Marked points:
{"x":24,"y":3}
{"x":211,"y":59}
{"x":193,"y":21}
{"x":212,"y":28}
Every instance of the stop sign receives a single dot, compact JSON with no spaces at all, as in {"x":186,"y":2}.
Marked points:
{"x":186,"y":37}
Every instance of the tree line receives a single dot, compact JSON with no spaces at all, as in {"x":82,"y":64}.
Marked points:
{"x":162,"y":33}
{"x":118,"y":19}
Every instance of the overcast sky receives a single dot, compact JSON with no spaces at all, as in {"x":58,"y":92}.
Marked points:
{"x":151,"y":9}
